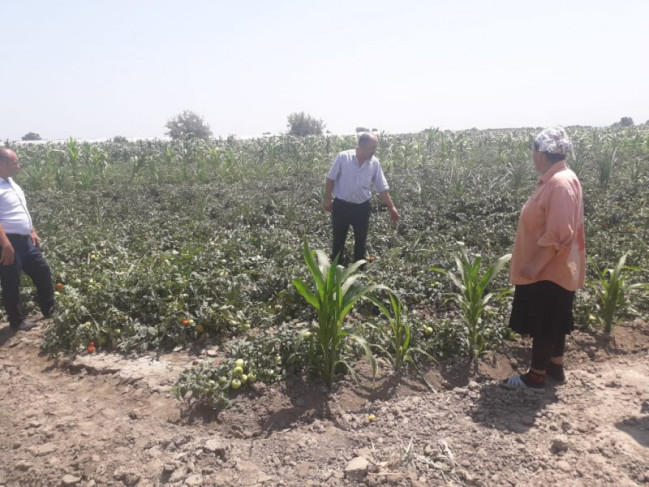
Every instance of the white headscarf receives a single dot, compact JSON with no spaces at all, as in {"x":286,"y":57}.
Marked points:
{"x":553,"y":140}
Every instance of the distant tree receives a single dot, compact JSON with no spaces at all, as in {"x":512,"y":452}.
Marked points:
{"x":120,"y":139}
{"x":624,"y":122}
{"x":188,"y":125}
{"x":362,"y":129}
{"x":31,"y":136}
{"x":300,"y":124}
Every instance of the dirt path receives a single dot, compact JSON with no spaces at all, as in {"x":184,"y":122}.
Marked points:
{"x":103,"y":420}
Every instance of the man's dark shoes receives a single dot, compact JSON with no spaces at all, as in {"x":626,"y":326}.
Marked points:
{"x":24,"y":325}
{"x":556,"y":373}
{"x":48,"y":312}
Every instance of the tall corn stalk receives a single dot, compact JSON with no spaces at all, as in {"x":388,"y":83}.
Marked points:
{"x":472,"y":296}
{"x":335,"y":292}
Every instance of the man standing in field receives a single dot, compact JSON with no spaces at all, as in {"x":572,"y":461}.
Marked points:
{"x":20,"y":248}
{"x":349,"y":180}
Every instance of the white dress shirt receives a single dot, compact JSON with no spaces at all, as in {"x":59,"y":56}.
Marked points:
{"x":352,"y":180}
{"x":14,"y":216}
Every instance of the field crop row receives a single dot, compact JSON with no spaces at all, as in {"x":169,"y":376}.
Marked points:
{"x":159,"y":244}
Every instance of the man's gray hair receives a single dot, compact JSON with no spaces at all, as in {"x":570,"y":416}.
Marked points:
{"x":365,"y":138}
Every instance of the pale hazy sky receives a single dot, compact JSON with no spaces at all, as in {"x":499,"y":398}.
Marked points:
{"x":101,"y":68}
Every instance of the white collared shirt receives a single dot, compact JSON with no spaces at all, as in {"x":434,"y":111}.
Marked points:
{"x":14,"y":216}
{"x":352,"y":181}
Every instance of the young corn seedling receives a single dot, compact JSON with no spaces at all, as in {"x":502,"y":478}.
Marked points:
{"x":611,"y":291}
{"x":335,"y":292}
{"x":397,"y":336}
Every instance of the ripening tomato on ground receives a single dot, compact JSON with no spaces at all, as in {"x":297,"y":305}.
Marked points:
{"x":59,"y":286}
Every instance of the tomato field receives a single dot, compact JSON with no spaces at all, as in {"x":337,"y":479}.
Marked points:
{"x":157,"y":245}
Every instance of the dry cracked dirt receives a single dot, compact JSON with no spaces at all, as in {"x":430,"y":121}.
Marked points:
{"x":108,"y":420}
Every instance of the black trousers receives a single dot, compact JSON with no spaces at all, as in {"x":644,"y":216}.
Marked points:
{"x":28,"y":258}
{"x":343,"y":216}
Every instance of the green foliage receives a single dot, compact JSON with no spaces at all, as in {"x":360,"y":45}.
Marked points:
{"x":187,"y":126}
{"x":396,"y":340}
{"x":612,"y":290}
{"x":149,"y":232}
{"x":335,"y":294}
{"x":301,"y":124}
{"x":210,"y":382}
{"x":472,"y":296}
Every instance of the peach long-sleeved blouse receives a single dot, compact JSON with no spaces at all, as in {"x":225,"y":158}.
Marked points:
{"x":553,"y":216}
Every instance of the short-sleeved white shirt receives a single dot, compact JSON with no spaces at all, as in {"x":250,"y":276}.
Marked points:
{"x":352,"y":181}
{"x":14,"y":216}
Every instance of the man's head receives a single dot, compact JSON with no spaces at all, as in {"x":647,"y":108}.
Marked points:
{"x":9,"y":164}
{"x":367,"y":144}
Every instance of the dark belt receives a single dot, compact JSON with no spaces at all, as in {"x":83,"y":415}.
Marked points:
{"x":347,"y":203}
{"x":17,"y":236}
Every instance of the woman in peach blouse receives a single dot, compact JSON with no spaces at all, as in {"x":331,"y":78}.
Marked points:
{"x":548,"y":261}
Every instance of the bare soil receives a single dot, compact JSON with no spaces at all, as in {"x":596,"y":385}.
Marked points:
{"x":107,"y":420}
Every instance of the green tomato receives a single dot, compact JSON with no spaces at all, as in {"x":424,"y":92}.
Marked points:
{"x":244,"y":378}
{"x":278,"y":359}
{"x":223,"y":380}
{"x":235,"y":384}
{"x":237,"y":371}
{"x":239,"y":362}
{"x":252,"y":377}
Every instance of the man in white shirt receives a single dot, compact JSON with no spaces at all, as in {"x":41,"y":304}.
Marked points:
{"x":349,"y":180}
{"x":20,"y":248}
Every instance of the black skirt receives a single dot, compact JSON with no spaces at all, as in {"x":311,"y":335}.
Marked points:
{"x":542,"y":309}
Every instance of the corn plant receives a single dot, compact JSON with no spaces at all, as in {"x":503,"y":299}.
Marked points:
{"x":518,"y":173}
{"x":579,"y":155}
{"x":605,"y":161}
{"x":472,"y":296}
{"x":611,"y":291}
{"x":336,"y":292}
{"x":397,"y":337}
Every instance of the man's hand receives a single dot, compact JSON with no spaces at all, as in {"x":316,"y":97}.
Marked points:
{"x":328,"y":203}
{"x":36,"y":239}
{"x":394,"y":215}
{"x":7,"y":255}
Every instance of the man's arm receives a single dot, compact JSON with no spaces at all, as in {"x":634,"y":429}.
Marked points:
{"x":394,"y":214}
{"x":328,"y":198}
{"x":7,"y":254}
